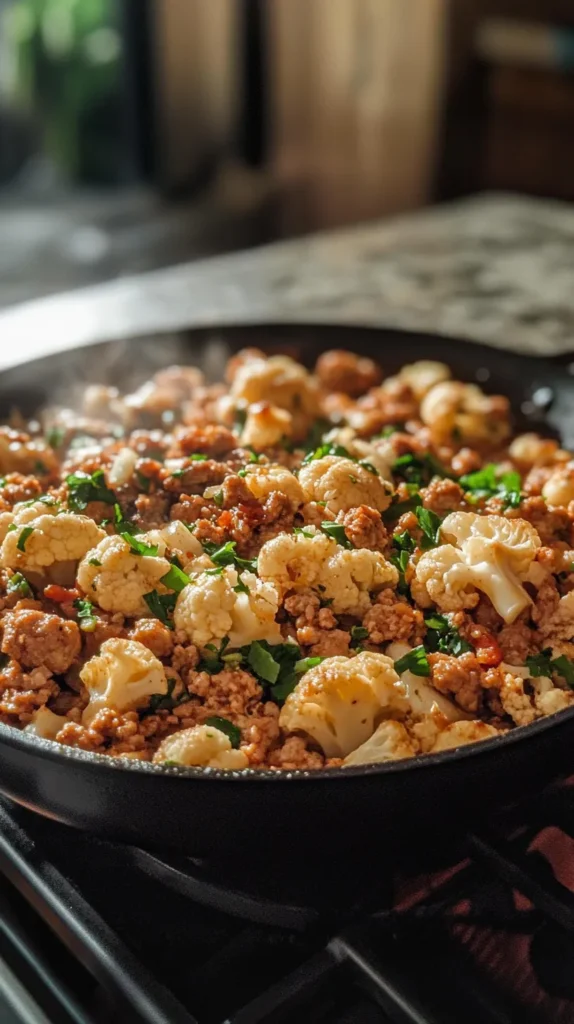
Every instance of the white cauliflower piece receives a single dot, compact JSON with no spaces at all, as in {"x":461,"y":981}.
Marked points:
{"x":203,"y":746}
{"x":459,"y":734}
{"x":39,"y":542}
{"x":560,"y":625}
{"x":345,"y":576}
{"x":46,"y":723}
{"x":378,"y":451}
{"x":122,"y":676}
{"x":116,"y":579}
{"x":559,"y":488}
{"x":122,"y":468}
{"x":423,"y":375}
{"x":210,"y":608}
{"x":282,"y":382}
{"x":176,"y":537}
{"x":263,"y":480}
{"x":343,"y":484}
{"x":265,"y":426}
{"x":423,"y":698}
{"x":389,"y":742}
{"x":340,"y":702}
{"x":452,"y":409}
{"x":542,"y":698}
{"x":492,"y":554}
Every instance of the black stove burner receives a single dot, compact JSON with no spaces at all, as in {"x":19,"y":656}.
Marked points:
{"x":96,"y":935}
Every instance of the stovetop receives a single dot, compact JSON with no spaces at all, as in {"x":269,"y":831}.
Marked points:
{"x":94,"y":933}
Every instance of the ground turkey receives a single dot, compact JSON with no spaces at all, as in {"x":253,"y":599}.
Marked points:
{"x":37,"y":639}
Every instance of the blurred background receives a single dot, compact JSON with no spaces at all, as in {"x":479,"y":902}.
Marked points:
{"x":139,"y":133}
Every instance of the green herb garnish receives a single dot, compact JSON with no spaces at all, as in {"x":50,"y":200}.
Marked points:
{"x":544,"y":665}
{"x":94,"y":561}
{"x":441,"y":636}
{"x":139,"y":547}
{"x":175,"y":579}
{"x":84,"y":488}
{"x":399,"y":508}
{"x":414,"y":661}
{"x":55,"y":437}
{"x":232,"y":732}
{"x":430,"y":524}
{"x":358,"y":633}
{"x":161,"y":606}
{"x":86,"y":616}
{"x":262,"y":662}
{"x":166,"y":701}
{"x":488,"y":483}
{"x":337,"y":532}
{"x":225,"y":554}
{"x":24,"y":535}
{"x":418,"y":469}
{"x":328,"y":449}
{"x":18,"y":584}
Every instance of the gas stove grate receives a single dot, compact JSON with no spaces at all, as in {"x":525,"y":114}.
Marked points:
{"x":405,"y":965}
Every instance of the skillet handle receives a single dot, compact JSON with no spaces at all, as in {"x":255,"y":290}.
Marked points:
{"x":185,"y":876}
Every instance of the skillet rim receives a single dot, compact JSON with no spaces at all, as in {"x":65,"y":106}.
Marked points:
{"x":53,"y":751}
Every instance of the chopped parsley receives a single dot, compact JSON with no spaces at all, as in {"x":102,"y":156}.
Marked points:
{"x":139,"y":547}
{"x":327,"y":449}
{"x":301,"y":530}
{"x":441,"y":636}
{"x":358,"y":633}
{"x":225,"y":554}
{"x":544,"y":665}
{"x":414,"y":661}
{"x":263,"y":663}
{"x":212,"y":661}
{"x":337,"y":532}
{"x":144,"y":481}
{"x":430,"y":524}
{"x":369,"y":466}
{"x":398,"y":508}
{"x":389,"y":430}
{"x":239,"y":418}
{"x":418,"y":469}
{"x":84,"y":488}
{"x":18,"y":584}
{"x":55,"y":437}
{"x":175,"y":579}
{"x":489,"y":483}
{"x":86,"y":617}
{"x":403,"y":546}
{"x":241,"y":587}
{"x":24,"y":535}
{"x":217,"y":499}
{"x":232,"y":732}
{"x":122,"y":525}
{"x":166,"y":701}
{"x":94,"y":561}
{"x":161,"y":606}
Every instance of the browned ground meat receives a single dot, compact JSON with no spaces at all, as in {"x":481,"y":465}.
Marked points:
{"x":195,"y":477}
{"x":151,"y":510}
{"x":294,"y":754}
{"x":154,"y":635}
{"x":211,"y":440}
{"x":327,"y":643}
{"x":516,"y":641}
{"x":460,"y":677}
{"x":465,"y":461}
{"x":443,"y":496}
{"x":391,"y":618}
{"x":19,"y":488}
{"x":34,"y":639}
{"x":346,"y":372}
{"x":21,"y":693}
{"x":552,"y":524}
{"x":365,"y":528}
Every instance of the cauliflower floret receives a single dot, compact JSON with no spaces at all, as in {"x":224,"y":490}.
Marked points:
{"x":202,"y":745}
{"x":263,"y":480}
{"x":378,"y":451}
{"x":343,"y":484}
{"x":346,"y":577}
{"x":423,"y":375}
{"x":210,"y":608}
{"x":176,"y":537}
{"x":46,"y":723}
{"x":423,"y":697}
{"x":339,"y":702}
{"x":389,"y":742}
{"x":560,"y":625}
{"x":452,"y":409}
{"x":122,"y":468}
{"x":48,"y":544}
{"x":529,"y":450}
{"x":459,"y":734}
{"x":280,"y":381}
{"x":543,"y":696}
{"x":492,"y":554}
{"x":116,"y":579}
{"x":266,"y":425}
{"x":559,"y":488}
{"x":122,"y":676}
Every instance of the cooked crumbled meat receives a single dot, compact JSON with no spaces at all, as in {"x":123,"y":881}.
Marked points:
{"x":443,"y":496}
{"x":516,"y":641}
{"x":365,"y":528}
{"x":466,"y":460}
{"x":35,"y":639}
{"x":303,"y":606}
{"x":195,"y":477}
{"x":339,"y":370}
{"x":22,"y":693}
{"x":151,"y":511}
{"x":294,"y":755}
{"x":231,"y":690}
{"x":19,"y":488}
{"x":393,"y":618}
{"x":326,"y":643}
{"x":211,"y":440}
{"x":552,"y":524}
{"x":460,"y":677}
{"x":154,"y":635}
{"x":261,"y":734}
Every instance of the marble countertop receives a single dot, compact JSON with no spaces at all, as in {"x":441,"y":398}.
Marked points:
{"x":496,"y":268}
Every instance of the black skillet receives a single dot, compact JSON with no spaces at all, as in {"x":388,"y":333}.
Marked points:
{"x":312,"y":825}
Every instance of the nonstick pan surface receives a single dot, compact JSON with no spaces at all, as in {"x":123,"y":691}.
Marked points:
{"x":303,"y":821}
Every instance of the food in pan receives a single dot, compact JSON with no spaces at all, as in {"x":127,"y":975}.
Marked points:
{"x":291,"y":570}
